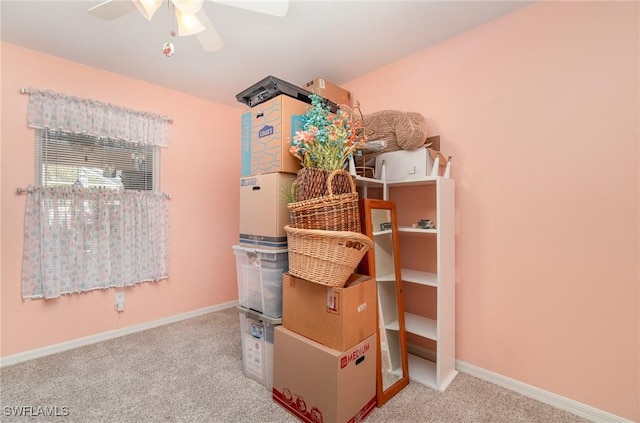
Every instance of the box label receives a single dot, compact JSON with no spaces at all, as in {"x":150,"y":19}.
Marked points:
{"x":257,"y":331}
{"x":253,"y":356}
{"x":356,"y":356}
{"x":250,"y":182}
{"x":362,"y":307}
{"x":333,"y":301}
{"x":266,"y":131}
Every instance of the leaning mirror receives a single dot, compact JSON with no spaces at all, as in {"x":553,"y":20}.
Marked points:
{"x":383,"y":262}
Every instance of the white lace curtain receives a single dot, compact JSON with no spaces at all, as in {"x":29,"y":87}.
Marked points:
{"x":48,"y":109}
{"x":79,"y":239}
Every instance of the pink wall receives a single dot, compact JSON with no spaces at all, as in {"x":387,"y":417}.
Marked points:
{"x":540,"y":110}
{"x":200,"y":168}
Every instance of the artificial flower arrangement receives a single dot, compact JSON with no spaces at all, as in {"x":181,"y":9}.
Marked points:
{"x":327,"y":140}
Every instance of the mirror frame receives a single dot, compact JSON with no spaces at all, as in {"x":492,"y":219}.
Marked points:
{"x":369,"y":268}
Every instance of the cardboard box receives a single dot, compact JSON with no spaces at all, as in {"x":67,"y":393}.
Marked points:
{"x":263,"y":210}
{"x":405,"y":164}
{"x":266,"y":133}
{"x":338,"y":318}
{"x":330,"y":91}
{"x":320,"y":385}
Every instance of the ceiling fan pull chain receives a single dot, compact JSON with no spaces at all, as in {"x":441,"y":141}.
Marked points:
{"x":168,"y":48}
{"x":172,"y":16}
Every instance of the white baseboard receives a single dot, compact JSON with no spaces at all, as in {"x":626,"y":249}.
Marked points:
{"x":104,"y":336}
{"x":575,"y":407}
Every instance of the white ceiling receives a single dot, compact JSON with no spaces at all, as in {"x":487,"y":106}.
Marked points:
{"x":335,"y":40}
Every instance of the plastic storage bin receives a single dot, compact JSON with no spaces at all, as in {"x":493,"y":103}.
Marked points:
{"x":260,"y":279}
{"x":257,"y":345}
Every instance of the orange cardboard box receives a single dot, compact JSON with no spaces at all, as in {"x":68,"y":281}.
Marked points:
{"x":318,"y":384}
{"x":266,"y":132}
{"x":338,"y":318}
{"x":330,"y":91}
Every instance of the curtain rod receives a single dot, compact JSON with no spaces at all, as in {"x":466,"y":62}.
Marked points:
{"x":21,"y":190}
{"x":24,"y":90}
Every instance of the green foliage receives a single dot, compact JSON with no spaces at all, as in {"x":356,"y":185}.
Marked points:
{"x":288,"y":192}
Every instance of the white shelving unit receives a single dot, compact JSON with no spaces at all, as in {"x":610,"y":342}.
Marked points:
{"x":435,"y":369}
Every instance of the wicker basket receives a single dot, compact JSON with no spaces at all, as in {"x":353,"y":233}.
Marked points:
{"x":330,"y":212}
{"x":312,"y":183}
{"x":325,"y":257}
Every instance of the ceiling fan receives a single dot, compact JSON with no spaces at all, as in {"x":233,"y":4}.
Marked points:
{"x":190,"y":17}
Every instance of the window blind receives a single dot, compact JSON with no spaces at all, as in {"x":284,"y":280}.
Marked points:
{"x":72,"y":159}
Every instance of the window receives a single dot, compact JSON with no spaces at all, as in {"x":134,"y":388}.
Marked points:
{"x":95,"y":217}
{"x":73,"y":159}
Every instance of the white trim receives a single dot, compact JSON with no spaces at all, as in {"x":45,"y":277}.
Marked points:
{"x":104,"y":336}
{"x":558,"y":401}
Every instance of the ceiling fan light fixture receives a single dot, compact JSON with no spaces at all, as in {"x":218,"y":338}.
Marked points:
{"x":147,"y":7}
{"x":188,"y":6}
{"x":188,"y":23}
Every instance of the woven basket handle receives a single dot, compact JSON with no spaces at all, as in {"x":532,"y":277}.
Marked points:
{"x":339,"y":172}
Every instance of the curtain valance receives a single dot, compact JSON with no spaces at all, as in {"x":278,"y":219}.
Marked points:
{"x":48,"y":109}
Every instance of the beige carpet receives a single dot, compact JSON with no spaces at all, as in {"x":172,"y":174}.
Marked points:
{"x":191,"y":371}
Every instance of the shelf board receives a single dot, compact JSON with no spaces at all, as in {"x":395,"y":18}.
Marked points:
{"x":410,"y":229}
{"x":392,"y":325}
{"x":386,"y":278}
{"x":385,"y":232}
{"x":361,"y":181}
{"x":419,"y":277}
{"x":422,"y":371}
{"x":426,"y":180}
{"x":416,"y":325}
{"x":421,"y":326}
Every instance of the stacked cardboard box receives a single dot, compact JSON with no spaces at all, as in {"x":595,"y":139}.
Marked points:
{"x":324,"y":366}
{"x":313,"y":346}
{"x":325,"y":350}
{"x":263,"y":210}
{"x":268,"y":169}
{"x":330,"y":91}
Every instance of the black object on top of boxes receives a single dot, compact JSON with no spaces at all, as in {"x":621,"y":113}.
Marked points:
{"x":271,"y":87}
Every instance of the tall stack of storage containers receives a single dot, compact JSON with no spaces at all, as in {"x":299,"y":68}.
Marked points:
{"x":268,"y":170}
{"x":325,"y":349}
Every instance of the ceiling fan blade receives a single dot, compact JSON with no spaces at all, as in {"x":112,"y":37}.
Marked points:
{"x":209,"y":38}
{"x":268,"y":7}
{"x":112,"y":9}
